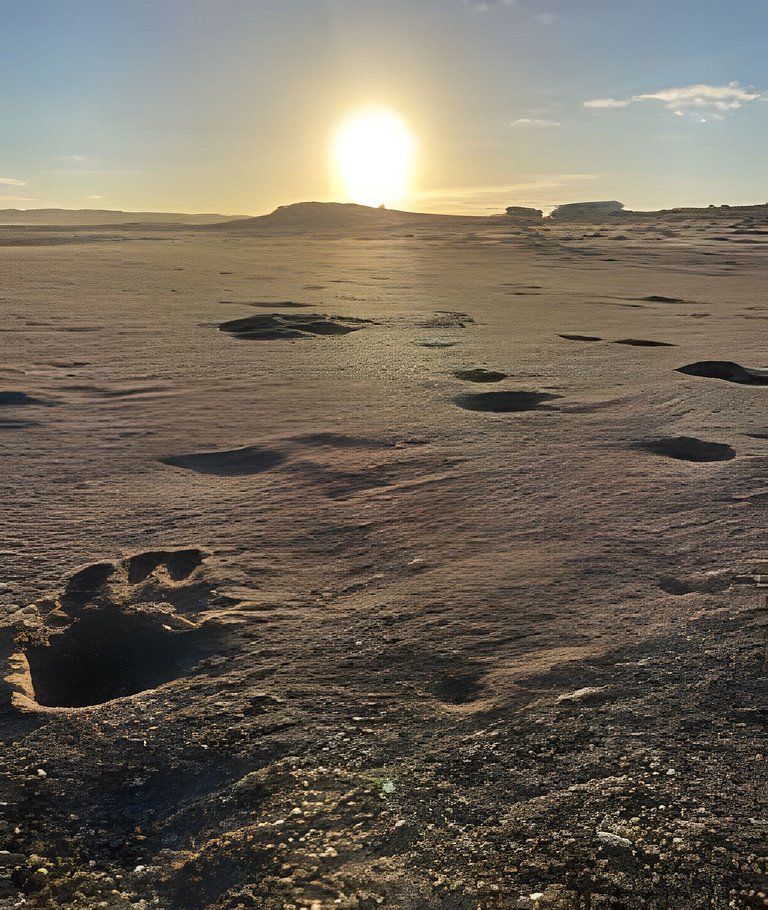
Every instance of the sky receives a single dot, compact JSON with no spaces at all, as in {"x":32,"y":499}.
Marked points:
{"x":231,"y":106}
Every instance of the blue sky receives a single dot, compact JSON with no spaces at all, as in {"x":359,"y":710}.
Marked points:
{"x":230,"y":105}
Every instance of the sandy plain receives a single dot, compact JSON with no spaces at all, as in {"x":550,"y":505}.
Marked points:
{"x":302,"y":618}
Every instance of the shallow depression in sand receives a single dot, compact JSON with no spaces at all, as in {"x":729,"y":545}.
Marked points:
{"x":504,"y":402}
{"x":229,"y":463}
{"x":727,"y":370}
{"x":479,"y":375}
{"x":688,"y":448}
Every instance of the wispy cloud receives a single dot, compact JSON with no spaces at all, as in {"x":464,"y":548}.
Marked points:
{"x":533,"y":121}
{"x":691,"y":100}
{"x":94,"y":197}
{"x":483,"y":6}
{"x":9,"y":181}
{"x":608,"y":102}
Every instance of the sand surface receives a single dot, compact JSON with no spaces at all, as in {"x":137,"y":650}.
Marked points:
{"x":437,"y":599}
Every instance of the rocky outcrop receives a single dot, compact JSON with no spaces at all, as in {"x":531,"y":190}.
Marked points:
{"x":521,"y":213}
{"x":587,"y":211}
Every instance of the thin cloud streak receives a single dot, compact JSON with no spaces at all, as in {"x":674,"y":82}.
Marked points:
{"x":691,"y":100}
{"x":528,"y":121}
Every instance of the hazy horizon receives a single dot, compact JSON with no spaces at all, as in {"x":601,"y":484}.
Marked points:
{"x":189,"y":107}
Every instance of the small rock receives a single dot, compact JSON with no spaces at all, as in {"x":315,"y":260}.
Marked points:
{"x":581,"y":694}
{"x":613,"y":840}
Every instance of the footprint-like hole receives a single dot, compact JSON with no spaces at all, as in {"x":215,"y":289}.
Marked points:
{"x":86,"y":583}
{"x":108,"y":653}
{"x":504,"y":402}
{"x":479,"y":375}
{"x":688,"y":448}
{"x":459,"y":688}
{"x":179,"y":564}
{"x":727,"y":370}
{"x":701,"y":583}
{"x":228,"y":463}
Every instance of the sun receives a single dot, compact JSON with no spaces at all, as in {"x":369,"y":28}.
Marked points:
{"x":373,"y":154}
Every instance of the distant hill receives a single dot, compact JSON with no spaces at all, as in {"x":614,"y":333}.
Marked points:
{"x":79,"y":217}
{"x":310,"y":217}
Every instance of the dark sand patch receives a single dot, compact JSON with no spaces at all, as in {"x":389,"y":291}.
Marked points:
{"x":759,"y":498}
{"x":10,"y":399}
{"x":644,"y":343}
{"x":660,"y":298}
{"x":19,"y":423}
{"x":437,"y":344}
{"x":726,"y":370}
{"x":479,"y":375}
{"x":459,"y":688}
{"x":688,"y":448}
{"x":276,"y":326}
{"x":229,"y":463}
{"x":580,"y":337}
{"x":504,"y":402}
{"x":341,"y":441}
{"x":700,"y":583}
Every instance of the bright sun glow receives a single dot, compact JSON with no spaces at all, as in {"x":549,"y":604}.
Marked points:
{"x":373,"y":154}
